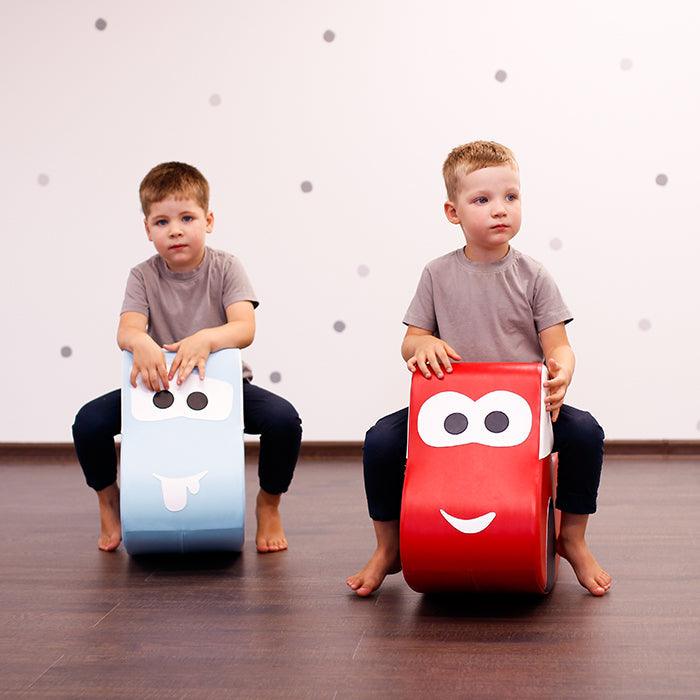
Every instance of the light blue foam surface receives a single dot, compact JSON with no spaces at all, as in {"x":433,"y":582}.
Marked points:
{"x":182,"y":470}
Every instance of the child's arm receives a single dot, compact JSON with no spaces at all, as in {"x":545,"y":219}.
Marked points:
{"x":560,"y":363}
{"x":420,"y":347}
{"x":193,"y":351}
{"x":149,"y":361}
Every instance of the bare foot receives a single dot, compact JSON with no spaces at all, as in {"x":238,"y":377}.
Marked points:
{"x":270,"y":535}
{"x":588,"y":571}
{"x":368,"y":579}
{"x":110,"y":520}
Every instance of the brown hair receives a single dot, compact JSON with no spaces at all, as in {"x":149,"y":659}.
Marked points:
{"x":168,"y":179}
{"x":474,"y":156}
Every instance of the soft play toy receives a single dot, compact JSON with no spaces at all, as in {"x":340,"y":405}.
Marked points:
{"x":182,"y":464}
{"x":477,"y":511}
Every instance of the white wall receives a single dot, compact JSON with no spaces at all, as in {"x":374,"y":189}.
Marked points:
{"x":599,"y":100}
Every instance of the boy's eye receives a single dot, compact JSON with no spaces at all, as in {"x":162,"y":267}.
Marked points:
{"x":481,"y":200}
{"x":512,"y":196}
{"x":187,"y":218}
{"x":161,"y":222}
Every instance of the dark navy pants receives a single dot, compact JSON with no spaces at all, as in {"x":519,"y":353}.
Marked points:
{"x":577,"y":438}
{"x":264,"y":414}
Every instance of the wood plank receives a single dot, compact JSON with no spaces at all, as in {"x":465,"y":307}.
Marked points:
{"x":76,"y":622}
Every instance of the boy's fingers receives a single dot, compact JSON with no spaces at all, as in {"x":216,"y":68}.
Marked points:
{"x":555,"y":415}
{"x":451,"y":352}
{"x":163,"y":373}
{"x":133,"y":375}
{"x":435,"y":364}
{"x":445,"y":360}
{"x":154,"y":379}
{"x":185,"y":371}
{"x":177,"y":360}
{"x":424,"y":368}
{"x":201,"y":365}
{"x":411,"y":364}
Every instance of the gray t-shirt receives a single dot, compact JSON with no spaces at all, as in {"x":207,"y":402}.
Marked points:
{"x":488,"y":312}
{"x":179,"y":304}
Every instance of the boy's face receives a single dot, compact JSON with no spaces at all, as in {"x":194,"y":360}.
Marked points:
{"x":178,"y":228}
{"x":487,"y":207}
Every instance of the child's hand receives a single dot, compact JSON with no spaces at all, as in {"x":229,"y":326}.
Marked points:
{"x":192,"y":352}
{"x":149,"y":362}
{"x":430,"y":353}
{"x":557,"y":384}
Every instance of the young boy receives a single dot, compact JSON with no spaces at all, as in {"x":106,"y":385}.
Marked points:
{"x":191,"y":300}
{"x":487,"y":302}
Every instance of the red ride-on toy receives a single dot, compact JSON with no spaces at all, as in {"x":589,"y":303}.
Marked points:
{"x":478,"y":498}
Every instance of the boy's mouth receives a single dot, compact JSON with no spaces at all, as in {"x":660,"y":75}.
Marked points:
{"x":178,"y":246}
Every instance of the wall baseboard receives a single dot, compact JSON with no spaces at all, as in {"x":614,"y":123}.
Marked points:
{"x":350,"y":449}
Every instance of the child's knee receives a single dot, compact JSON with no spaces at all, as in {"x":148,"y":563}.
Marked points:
{"x":585,"y":434}
{"x":283,"y":419}
{"x":88,"y":423}
{"x":380,"y":444}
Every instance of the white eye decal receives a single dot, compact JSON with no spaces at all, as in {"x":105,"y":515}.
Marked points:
{"x":498,"y":419}
{"x":211,"y":399}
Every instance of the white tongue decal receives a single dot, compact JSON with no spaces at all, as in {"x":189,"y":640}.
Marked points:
{"x":470,"y":526}
{"x":175,"y":490}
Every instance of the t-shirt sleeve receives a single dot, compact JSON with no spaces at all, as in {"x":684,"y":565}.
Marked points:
{"x":237,"y":286}
{"x":135,"y":298}
{"x":548,"y":307}
{"x":421,"y":311}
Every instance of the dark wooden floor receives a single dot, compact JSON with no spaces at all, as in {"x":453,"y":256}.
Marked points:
{"x":75,"y":622}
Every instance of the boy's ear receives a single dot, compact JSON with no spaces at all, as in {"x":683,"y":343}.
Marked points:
{"x":451,"y":212}
{"x":210,"y":221}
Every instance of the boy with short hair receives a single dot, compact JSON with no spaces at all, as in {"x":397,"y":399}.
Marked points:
{"x":191,"y":300}
{"x":487,"y":302}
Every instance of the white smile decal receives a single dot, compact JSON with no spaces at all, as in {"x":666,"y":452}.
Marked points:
{"x":175,"y":489}
{"x":470,"y":526}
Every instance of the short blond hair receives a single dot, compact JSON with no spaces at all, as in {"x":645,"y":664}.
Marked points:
{"x":473,"y":156}
{"x":173,"y":179}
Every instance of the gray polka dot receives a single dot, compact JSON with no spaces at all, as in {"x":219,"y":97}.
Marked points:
{"x":661,"y":179}
{"x":43,"y":179}
{"x":501,"y":75}
{"x":555,"y":244}
{"x":363,"y":270}
{"x":66,"y":351}
{"x":275,"y":377}
{"x":626,"y":63}
{"x":328,"y":35}
{"x":101,"y":24}
{"x":306,"y":186}
{"x":215,"y":100}
{"x":339,"y":326}
{"x":644,"y":324}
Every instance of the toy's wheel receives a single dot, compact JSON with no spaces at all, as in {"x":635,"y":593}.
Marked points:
{"x":551,"y":547}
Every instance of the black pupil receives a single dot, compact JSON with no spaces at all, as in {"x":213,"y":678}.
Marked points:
{"x":456,"y":423}
{"x":496,"y":422}
{"x":163,"y":399}
{"x":197,"y":401}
